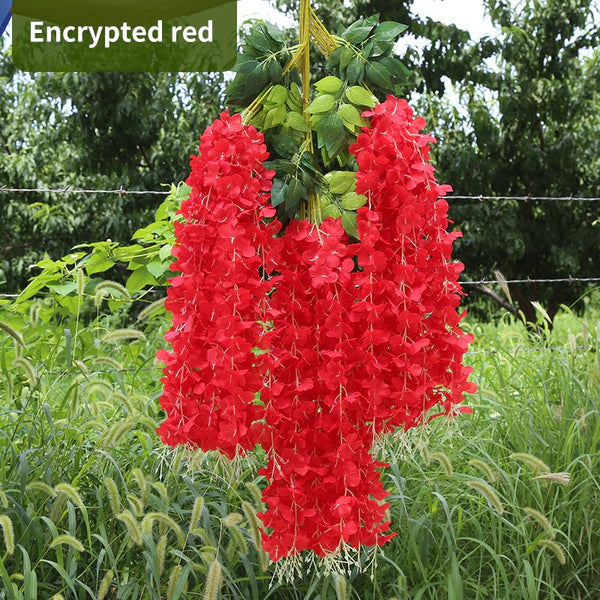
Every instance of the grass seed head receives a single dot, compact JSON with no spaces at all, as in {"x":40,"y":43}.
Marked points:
{"x":484,"y":468}
{"x":341,"y":586}
{"x":196,"y":512}
{"x":563,"y":478}
{"x":67,"y":540}
{"x":537,"y":465}
{"x":556,"y":548}
{"x":9,"y":533}
{"x":105,"y":585}
{"x":489,"y":493}
{"x":134,"y":530}
{"x":232,"y":519}
{"x":214,"y":581}
{"x":541,"y":519}
{"x":443,"y":459}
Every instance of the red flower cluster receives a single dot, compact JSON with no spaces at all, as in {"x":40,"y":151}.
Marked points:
{"x":214,"y":373}
{"x":324,"y":488}
{"x":342,"y":343}
{"x":408,"y":290}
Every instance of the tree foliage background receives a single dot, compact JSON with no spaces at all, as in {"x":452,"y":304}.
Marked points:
{"x":90,"y":131}
{"x":525,"y":123}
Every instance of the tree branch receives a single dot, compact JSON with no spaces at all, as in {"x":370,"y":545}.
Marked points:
{"x":145,"y":156}
{"x":484,"y":289}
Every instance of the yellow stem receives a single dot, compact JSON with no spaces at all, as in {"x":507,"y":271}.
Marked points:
{"x":306,"y":211}
{"x":254,"y":107}
{"x":310,"y":27}
{"x":323,"y":38}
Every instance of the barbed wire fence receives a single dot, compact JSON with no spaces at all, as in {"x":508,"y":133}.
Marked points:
{"x":123,"y":192}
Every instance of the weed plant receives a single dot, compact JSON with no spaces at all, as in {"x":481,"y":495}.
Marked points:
{"x":501,"y":504}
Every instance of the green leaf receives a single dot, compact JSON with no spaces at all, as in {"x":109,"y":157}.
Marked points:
{"x":98,"y":263}
{"x":331,"y":210}
{"x":260,"y":43}
{"x":274,"y":32}
{"x":321,"y":104}
{"x":281,"y":166}
{"x":296,"y":121}
{"x":356,"y":70}
{"x":331,"y":133}
{"x":371,"y":20}
{"x":294,"y":93}
{"x":182,"y":192}
{"x":165,"y":252}
{"x":380,"y":48}
{"x":379,"y":75}
{"x":346,"y":56}
{"x":63,"y":289}
{"x":278,"y":95}
{"x":353,"y":201}
{"x":295,"y":105}
{"x":139,"y":279}
{"x":367,"y":49}
{"x":284,"y":145}
{"x":295,"y":188}
{"x":340,"y":182}
{"x":39,"y":282}
{"x":274,"y":71}
{"x":351,"y":117}
{"x":277,"y":193}
{"x":333,"y":60}
{"x":396,"y":68}
{"x":309,"y":161}
{"x":360,"y":96}
{"x":356,"y":35}
{"x":246,"y":86}
{"x":389,"y":31}
{"x":157,"y":268}
{"x":329,"y":84}
{"x":246,"y":66}
{"x":293,"y":192}
{"x":276,"y":116}
{"x":349,"y":223}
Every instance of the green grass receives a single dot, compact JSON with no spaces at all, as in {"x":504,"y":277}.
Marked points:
{"x":93,"y":506}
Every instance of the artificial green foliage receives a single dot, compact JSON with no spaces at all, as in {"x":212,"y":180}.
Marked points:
{"x":366,"y":55}
{"x":336,"y":117}
{"x":524,"y":122}
{"x":309,"y":137}
{"x":264,"y":54}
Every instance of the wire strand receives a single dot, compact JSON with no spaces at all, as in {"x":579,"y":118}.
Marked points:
{"x":532,"y":280}
{"x":527,"y":198}
{"x":542,"y":349}
{"x":120,"y":192}
{"x":123,"y":192}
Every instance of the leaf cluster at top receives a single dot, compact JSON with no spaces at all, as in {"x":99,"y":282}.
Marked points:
{"x":309,"y":137}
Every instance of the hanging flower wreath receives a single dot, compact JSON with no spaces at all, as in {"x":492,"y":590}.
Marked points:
{"x":349,"y":353}
{"x":314,"y":339}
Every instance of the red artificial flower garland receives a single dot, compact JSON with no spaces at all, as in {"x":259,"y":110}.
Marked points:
{"x":213,"y":374}
{"x":324,"y":488}
{"x":409,"y":290}
{"x":348,"y":353}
